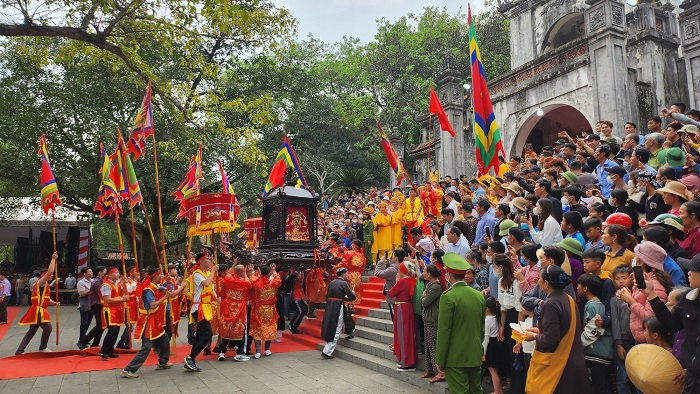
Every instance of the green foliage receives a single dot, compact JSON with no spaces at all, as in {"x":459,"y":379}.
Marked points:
{"x":354,"y":180}
{"x":226,"y":74}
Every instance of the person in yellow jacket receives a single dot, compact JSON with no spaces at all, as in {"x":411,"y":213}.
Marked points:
{"x":382,"y":224}
{"x":203,"y":295}
{"x":398,"y":220}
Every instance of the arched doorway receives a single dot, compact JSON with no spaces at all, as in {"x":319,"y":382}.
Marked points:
{"x":542,"y":129}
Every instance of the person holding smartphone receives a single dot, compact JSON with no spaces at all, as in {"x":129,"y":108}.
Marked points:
{"x":650,"y":258}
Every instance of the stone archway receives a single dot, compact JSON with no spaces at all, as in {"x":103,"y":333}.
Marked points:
{"x":541,"y":131}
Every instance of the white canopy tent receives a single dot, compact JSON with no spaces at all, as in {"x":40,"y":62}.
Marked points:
{"x":23,"y":217}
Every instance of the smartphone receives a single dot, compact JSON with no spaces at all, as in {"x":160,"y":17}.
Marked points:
{"x":639,"y":277}
{"x":488,"y":232}
{"x":527,"y":213}
{"x":386,"y":255}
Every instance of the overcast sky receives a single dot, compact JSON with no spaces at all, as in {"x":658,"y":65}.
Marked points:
{"x":330,"y":20}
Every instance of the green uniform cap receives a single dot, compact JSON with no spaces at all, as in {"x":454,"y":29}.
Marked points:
{"x":455,"y":263}
{"x":571,"y":245}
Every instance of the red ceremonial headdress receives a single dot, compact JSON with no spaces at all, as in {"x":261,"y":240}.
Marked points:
{"x":131,"y":271}
{"x":112,"y":270}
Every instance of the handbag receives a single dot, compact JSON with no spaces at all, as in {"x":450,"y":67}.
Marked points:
{"x":418,"y":293}
{"x":348,"y":322}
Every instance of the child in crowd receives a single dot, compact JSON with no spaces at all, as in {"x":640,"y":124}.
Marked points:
{"x":494,"y":350}
{"x":593,"y":228}
{"x":622,"y":335}
{"x":597,"y":342}
{"x":593,"y":260}
{"x":656,"y":334}
{"x":571,"y":222}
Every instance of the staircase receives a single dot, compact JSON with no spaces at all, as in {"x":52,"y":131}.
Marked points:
{"x":373,"y":335}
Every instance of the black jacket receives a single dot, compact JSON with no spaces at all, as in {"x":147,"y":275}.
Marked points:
{"x":685,"y":316}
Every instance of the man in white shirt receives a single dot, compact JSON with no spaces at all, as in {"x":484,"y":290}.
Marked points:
{"x":456,"y":242}
{"x":70,"y":281}
{"x":84,"y":304}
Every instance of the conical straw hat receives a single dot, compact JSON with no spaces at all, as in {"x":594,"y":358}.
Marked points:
{"x":652,"y":368}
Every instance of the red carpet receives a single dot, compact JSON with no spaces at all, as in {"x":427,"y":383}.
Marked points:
{"x":72,"y":361}
{"x":12,"y":312}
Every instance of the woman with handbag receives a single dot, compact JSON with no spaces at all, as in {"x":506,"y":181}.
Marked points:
{"x":557,"y":365}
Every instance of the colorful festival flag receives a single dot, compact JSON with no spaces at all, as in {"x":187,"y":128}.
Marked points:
{"x":108,"y":203}
{"x":285,"y":158}
{"x":391,"y":156}
{"x":127,"y":183}
{"x":190,"y":185}
{"x":228,"y":189}
{"x":143,"y":126}
{"x":487,"y":136}
{"x":49,"y":190}
{"x":436,"y":108}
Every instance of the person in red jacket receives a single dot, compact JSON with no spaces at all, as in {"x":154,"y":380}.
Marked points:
{"x":38,"y":315}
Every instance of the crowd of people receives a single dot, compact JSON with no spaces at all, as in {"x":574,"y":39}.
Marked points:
{"x":543,"y":277}
{"x":591,"y":244}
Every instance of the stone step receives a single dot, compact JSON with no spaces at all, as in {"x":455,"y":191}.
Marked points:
{"x":376,"y":323}
{"x":379,"y":336}
{"x":385,"y":366}
{"x":380,"y":314}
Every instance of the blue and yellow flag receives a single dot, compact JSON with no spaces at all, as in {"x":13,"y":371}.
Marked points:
{"x":487,"y":136}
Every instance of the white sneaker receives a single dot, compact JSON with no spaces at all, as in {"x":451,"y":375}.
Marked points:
{"x":47,"y":350}
{"x":241,"y":357}
{"x":222,"y":356}
{"x":268,"y":353}
{"x":257,"y":355}
{"x":128,"y":374}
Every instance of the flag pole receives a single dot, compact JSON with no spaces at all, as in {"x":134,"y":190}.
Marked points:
{"x":53,"y":225}
{"x":160,"y":209}
{"x":121,"y":252}
{"x":133,"y":240}
{"x":430,"y":132}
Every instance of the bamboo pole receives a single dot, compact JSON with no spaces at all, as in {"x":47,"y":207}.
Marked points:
{"x":160,"y":209}
{"x":121,"y":252}
{"x":133,"y":240}
{"x":53,"y":226}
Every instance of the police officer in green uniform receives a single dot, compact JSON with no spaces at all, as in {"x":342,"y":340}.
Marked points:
{"x":460,"y":330}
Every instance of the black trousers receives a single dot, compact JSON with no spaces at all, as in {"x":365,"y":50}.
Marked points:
{"x":3,"y":309}
{"x":110,"y":340}
{"x":95,"y":335}
{"x":202,"y":337}
{"x":85,"y":320}
{"x":300,"y":310}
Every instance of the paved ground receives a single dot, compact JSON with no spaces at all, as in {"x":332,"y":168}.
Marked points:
{"x":289,"y":373}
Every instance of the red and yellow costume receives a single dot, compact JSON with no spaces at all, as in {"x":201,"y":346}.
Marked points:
{"x":38,"y":312}
{"x":429,"y":197}
{"x":235,"y":293}
{"x":316,"y":286}
{"x":205,"y":307}
{"x":355,"y":262}
{"x":263,"y":317}
{"x":113,"y":314}
{"x":133,"y":303}
{"x":151,"y":322}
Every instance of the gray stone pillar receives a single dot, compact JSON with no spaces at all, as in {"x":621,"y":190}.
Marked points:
{"x":605,"y":25}
{"x":690,"y":36}
{"x":652,"y":49}
{"x":455,"y":154}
